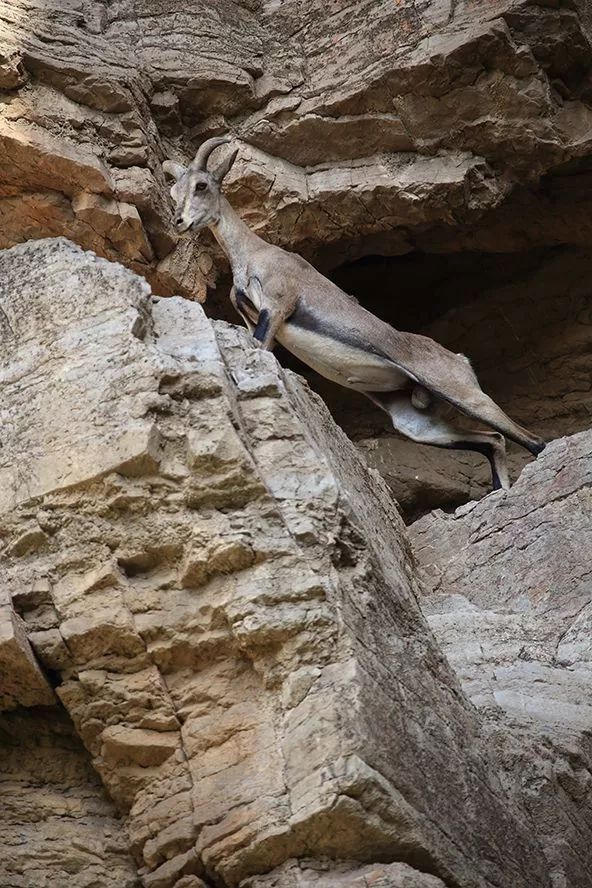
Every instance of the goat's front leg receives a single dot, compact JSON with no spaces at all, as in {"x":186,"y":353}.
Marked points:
{"x":262,"y":330}
{"x":272,"y":314}
{"x":237,"y":297}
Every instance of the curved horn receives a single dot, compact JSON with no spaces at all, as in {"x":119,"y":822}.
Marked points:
{"x":173,"y":170}
{"x":201,"y":158}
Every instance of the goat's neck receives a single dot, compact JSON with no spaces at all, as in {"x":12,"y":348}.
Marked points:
{"x":236,"y":239}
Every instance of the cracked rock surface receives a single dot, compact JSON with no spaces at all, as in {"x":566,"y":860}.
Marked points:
{"x":367,"y":127}
{"x":57,"y":826}
{"x":223,"y":596}
{"x":427,"y":128}
{"x":508,"y":595}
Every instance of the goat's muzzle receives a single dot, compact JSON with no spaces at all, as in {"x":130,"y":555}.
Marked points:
{"x":182,"y":226}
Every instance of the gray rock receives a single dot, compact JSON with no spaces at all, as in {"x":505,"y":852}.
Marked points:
{"x":508,"y":596}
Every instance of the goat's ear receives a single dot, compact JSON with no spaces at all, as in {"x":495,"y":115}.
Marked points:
{"x":224,"y":168}
{"x":173,"y":170}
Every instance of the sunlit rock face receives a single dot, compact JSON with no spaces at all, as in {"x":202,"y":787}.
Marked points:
{"x":222,"y":596}
{"x":224,"y":661}
{"x":363,"y":126}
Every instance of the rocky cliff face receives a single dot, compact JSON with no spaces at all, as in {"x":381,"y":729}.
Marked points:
{"x":507,"y":594}
{"x":404,"y":129}
{"x":202,"y":572}
{"x":224,"y":661}
{"x":372,"y":124}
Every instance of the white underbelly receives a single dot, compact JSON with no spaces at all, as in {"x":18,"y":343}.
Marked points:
{"x":342,"y":363}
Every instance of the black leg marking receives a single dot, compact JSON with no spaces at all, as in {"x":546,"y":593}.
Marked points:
{"x":496,"y":483}
{"x":535,"y":449}
{"x":485,"y":450}
{"x":241,"y":299}
{"x":478,"y":446}
{"x":305,"y":319}
{"x":262,"y":327}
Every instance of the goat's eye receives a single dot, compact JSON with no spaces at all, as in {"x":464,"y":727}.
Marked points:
{"x":201,"y":186}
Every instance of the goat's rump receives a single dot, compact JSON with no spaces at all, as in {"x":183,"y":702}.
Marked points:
{"x":337,"y":324}
{"x":450,"y":377}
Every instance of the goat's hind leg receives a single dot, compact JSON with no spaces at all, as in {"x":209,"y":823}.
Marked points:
{"x":424,"y":425}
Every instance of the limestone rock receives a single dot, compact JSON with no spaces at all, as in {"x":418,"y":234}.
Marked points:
{"x":226,"y":595}
{"x":328,"y":874}
{"x":508,"y":596}
{"x":57,"y":826}
{"x":22,"y":682}
{"x":367,"y":127}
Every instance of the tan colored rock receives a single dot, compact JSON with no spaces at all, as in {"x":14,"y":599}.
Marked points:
{"x":119,"y":223}
{"x":508,"y":596}
{"x":247,"y":664}
{"x":12,"y":72}
{"x":374,"y":127}
{"x":57,"y":825}
{"x":330,"y":874}
{"x":22,"y":683}
{"x":366,"y":129}
{"x":146,"y":748}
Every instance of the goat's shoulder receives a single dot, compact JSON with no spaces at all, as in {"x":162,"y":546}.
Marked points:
{"x":290,"y":263}
{"x":290,"y":275}
{"x":277,"y":268}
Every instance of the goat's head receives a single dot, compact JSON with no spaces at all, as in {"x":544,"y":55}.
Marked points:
{"x":195,"y":190}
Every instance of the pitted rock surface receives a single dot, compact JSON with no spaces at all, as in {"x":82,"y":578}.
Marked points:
{"x":57,"y":825}
{"x":366,"y":128}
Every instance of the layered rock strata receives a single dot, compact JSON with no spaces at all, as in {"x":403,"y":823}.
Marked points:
{"x":57,"y":827}
{"x":367,"y":127}
{"x":364,"y":128}
{"x":224,"y":599}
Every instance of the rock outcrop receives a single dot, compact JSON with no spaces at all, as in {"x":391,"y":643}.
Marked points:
{"x":215,"y":667}
{"x":507,"y":593}
{"x":222,"y":595}
{"x":376,"y":127}
{"x":57,"y":827}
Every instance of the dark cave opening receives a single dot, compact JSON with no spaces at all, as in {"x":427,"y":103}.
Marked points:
{"x":413,"y":290}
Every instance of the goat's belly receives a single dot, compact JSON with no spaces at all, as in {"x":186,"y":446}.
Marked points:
{"x":342,"y":362}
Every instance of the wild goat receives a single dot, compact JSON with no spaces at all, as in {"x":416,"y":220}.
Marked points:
{"x":282,"y":297}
